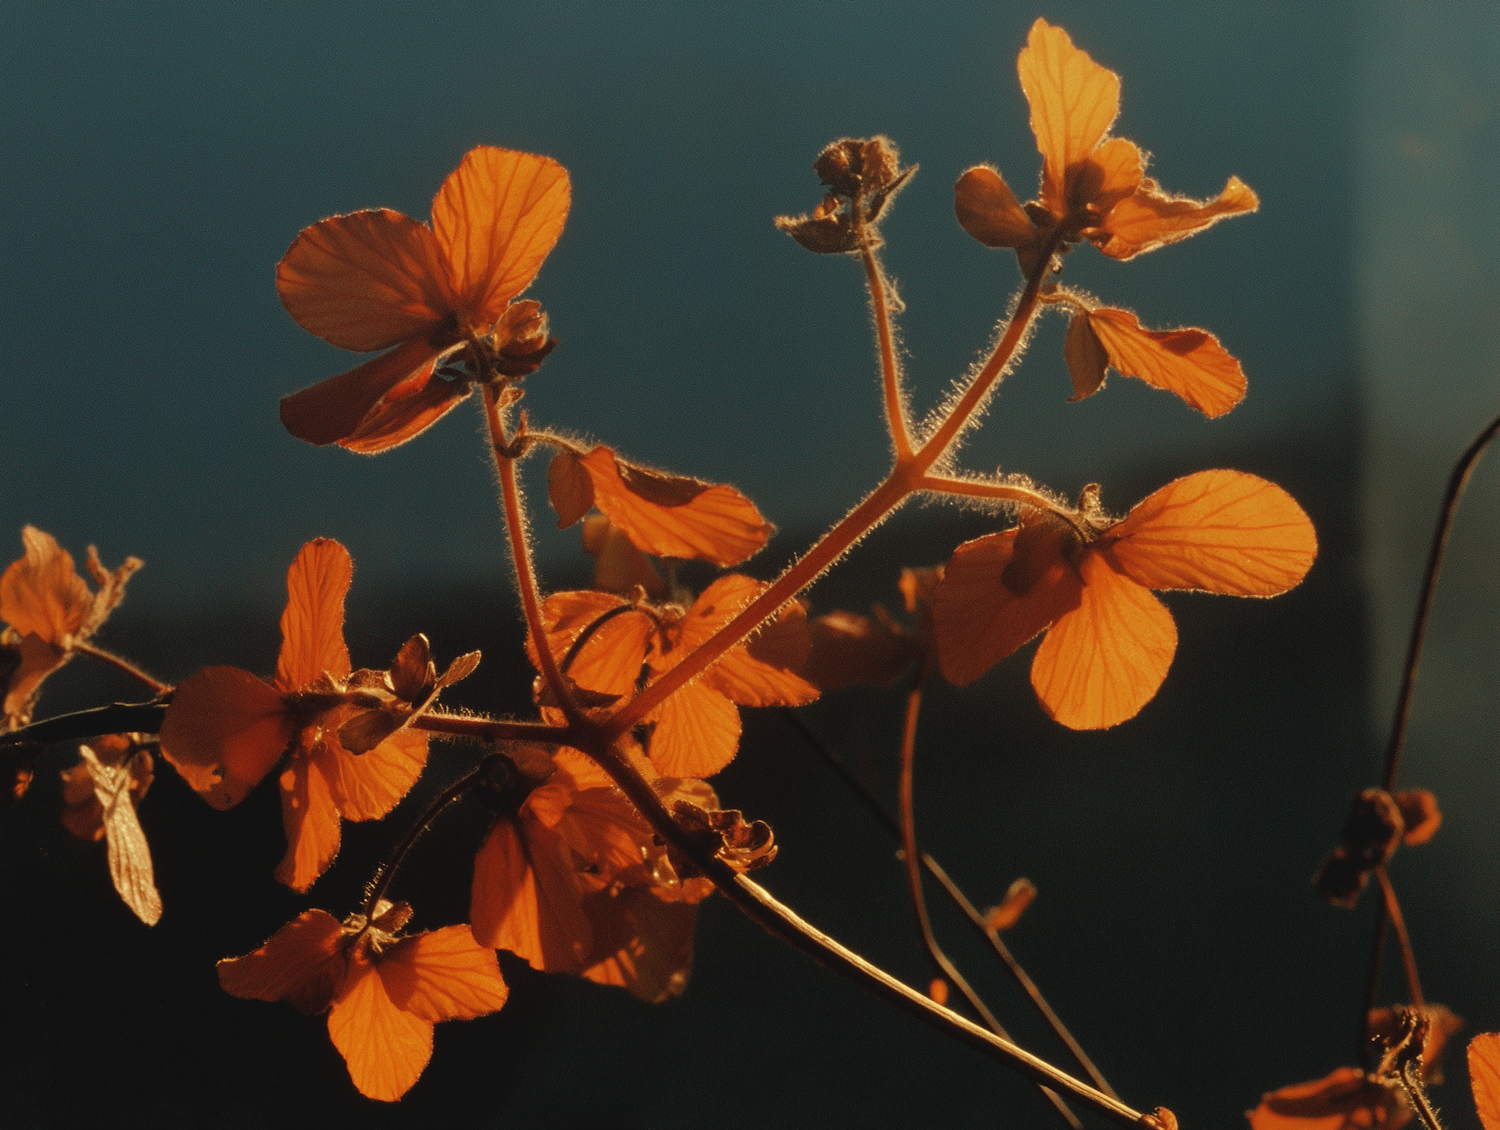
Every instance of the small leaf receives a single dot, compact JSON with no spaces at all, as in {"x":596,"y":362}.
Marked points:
{"x":1012,"y":906}
{"x":569,"y":488}
{"x":460,"y":668}
{"x":988,"y":210}
{"x":1086,"y":357}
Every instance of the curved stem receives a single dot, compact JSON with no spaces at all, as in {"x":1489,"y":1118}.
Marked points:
{"x":1398,"y":924}
{"x":490,"y":729}
{"x":955,"y":893}
{"x":157,"y":686}
{"x":911,"y":857}
{"x":520,"y":552}
{"x":890,"y":372}
{"x":1457,"y":481}
{"x":387,"y":871}
{"x":1003,"y":492}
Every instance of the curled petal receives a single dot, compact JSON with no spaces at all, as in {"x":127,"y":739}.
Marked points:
{"x":443,"y":975}
{"x":385,"y":1047}
{"x":979,"y":620}
{"x":1086,"y":357}
{"x":223,"y":731}
{"x":406,"y":411}
{"x":352,"y":407}
{"x":312,"y":627}
{"x":365,"y":281}
{"x":1190,"y":363}
{"x":1104,"y":660}
{"x":1148,"y":218}
{"x":674,"y":516}
{"x":496,"y":218}
{"x":301,"y":963}
{"x":988,"y":210}
{"x":42,"y":593}
{"x":569,"y":488}
{"x":1073,"y":100}
{"x":1218,"y":531}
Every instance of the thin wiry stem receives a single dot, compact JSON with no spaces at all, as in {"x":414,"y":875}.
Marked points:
{"x":890,"y":371}
{"x":116,"y":718}
{"x":913,"y":867}
{"x":1398,"y":923}
{"x":382,"y":880}
{"x":121,"y":664}
{"x":874,"y":806}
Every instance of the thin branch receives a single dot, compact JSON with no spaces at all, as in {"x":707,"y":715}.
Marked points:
{"x":381,"y":881}
{"x":157,"y":686}
{"x":1398,"y":923}
{"x":490,"y":729}
{"x":1457,"y":481}
{"x":890,"y":371}
{"x":874,"y":806}
{"x":116,"y":718}
{"x":913,"y":867}
{"x":1003,"y":492}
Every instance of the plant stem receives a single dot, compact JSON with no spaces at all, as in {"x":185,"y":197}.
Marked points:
{"x":1003,"y":492}
{"x":381,"y":881}
{"x":520,"y":552}
{"x":1398,"y":923}
{"x":1410,"y":1076}
{"x":955,"y":893}
{"x":913,"y":867}
{"x":890,"y":372}
{"x":116,"y":718}
{"x":490,"y":729}
{"x":121,"y":664}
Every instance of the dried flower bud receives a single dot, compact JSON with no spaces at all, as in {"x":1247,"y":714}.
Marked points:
{"x":1419,"y":810}
{"x":744,"y":846}
{"x":865,"y":173}
{"x":1372,"y":832}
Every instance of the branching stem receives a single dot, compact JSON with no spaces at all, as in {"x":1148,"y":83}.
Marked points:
{"x":121,"y":664}
{"x":890,"y":372}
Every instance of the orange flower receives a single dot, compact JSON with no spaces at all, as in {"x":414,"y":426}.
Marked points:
{"x":226,"y":728}
{"x":604,"y":642}
{"x":384,"y":992}
{"x":379,"y":280}
{"x":1093,"y":187}
{"x":1086,"y":580}
{"x":571,"y":879}
{"x":1484,"y":1077}
{"x":664,"y":515}
{"x":49,"y":609}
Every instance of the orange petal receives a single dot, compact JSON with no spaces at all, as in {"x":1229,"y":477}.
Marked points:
{"x":1420,"y":814}
{"x":988,"y":210}
{"x":618,"y":565}
{"x":301,"y":963}
{"x":848,"y":648}
{"x":312,"y":627}
{"x":36,"y":659}
{"x":569,"y":488}
{"x":368,"y":785}
{"x":605,"y":831}
{"x":311,"y":820}
{"x":765,"y":671}
{"x":1148,"y":218}
{"x":365,"y":281}
{"x":1484,"y":1076}
{"x":525,"y":898}
{"x":642,"y":944}
{"x":1190,"y":363}
{"x":697,"y":732}
{"x":674,"y":516}
{"x":1086,"y":357}
{"x":42,"y":592}
{"x":406,"y":411}
{"x":128,"y":853}
{"x":496,"y":218}
{"x":609,"y":660}
{"x":1073,"y":100}
{"x":1342,"y":1100}
{"x":223,"y":731}
{"x":335,"y":410}
{"x":443,"y":975}
{"x":1112,"y":172}
{"x":1219,"y":531}
{"x":385,"y":1048}
{"x":1103,"y":661}
{"x":979,"y":620}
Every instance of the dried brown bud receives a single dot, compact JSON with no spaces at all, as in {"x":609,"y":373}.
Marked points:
{"x":864,"y":172}
{"x":520,"y":339}
{"x":1372,"y":832}
{"x":1419,"y":810}
{"x":743,"y":845}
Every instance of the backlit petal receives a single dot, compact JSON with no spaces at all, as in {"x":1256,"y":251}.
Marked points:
{"x":301,"y":963}
{"x":365,"y":281}
{"x":674,"y":516}
{"x":642,"y":944}
{"x":406,"y":411}
{"x":336,"y":409}
{"x":1073,"y":103}
{"x":988,"y":210}
{"x":386,"y":1048}
{"x":1190,"y":363}
{"x":368,"y":785}
{"x":1112,"y":172}
{"x":128,"y":853}
{"x":1149,"y":218}
{"x":223,"y":731}
{"x":1103,"y":661}
{"x":716,"y":606}
{"x":609,"y":660}
{"x":496,"y":218}
{"x":1484,"y":1074}
{"x":1086,"y":357}
{"x":526,"y":899}
{"x":979,"y":620}
{"x":312,"y":627}
{"x":443,"y":975}
{"x":311,"y":820}
{"x":1219,"y":531}
{"x":697,"y":732}
{"x":42,"y":591}
{"x":569,"y":488}
{"x":1345,"y":1099}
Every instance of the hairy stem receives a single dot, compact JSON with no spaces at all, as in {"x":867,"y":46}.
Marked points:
{"x":1410,"y":1077}
{"x":381,"y":881}
{"x":489,"y":729}
{"x":912,"y":859}
{"x":1003,"y":492}
{"x":120,"y":664}
{"x":873,"y":805}
{"x":890,"y":372}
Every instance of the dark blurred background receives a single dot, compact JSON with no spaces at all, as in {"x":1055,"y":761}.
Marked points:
{"x":158,"y":161}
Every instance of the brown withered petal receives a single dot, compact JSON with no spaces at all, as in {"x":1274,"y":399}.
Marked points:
{"x":743,"y":845}
{"x":368,"y":729}
{"x":412,"y":671}
{"x":1419,"y":809}
{"x":569,"y":488}
{"x":1340,"y":878}
{"x":1374,"y":827}
{"x":129,"y":856}
{"x":848,"y":648}
{"x":1012,"y":906}
{"x":988,"y":210}
{"x":1345,"y":1099}
{"x":1386,"y":1025}
{"x":821,"y":234}
{"x":1086,"y":357}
